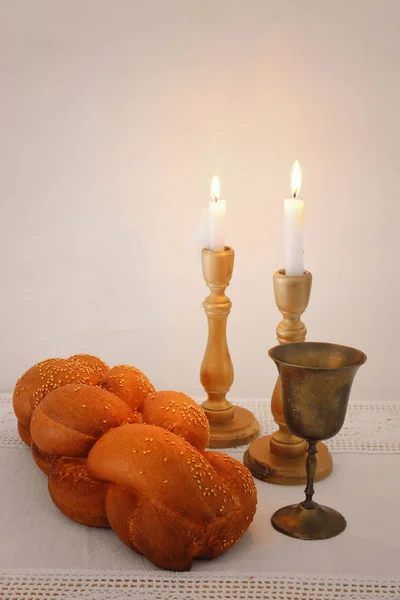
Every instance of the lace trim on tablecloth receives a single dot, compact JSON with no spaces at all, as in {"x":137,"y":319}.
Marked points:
{"x":118,"y":585}
{"x":369,"y":428}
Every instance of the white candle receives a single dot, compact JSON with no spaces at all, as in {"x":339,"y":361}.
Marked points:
{"x":293,"y":227}
{"x":216,"y":219}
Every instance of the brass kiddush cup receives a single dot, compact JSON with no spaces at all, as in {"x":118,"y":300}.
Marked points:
{"x":316,"y":379}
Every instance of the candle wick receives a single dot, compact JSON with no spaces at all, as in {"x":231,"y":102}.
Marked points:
{"x":295,"y":194}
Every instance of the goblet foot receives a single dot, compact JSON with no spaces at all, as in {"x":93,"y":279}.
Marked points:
{"x":317,"y":523}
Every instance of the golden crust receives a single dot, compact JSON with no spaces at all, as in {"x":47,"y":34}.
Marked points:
{"x":93,"y":362}
{"x":42,"y":460}
{"x":129,"y":384}
{"x":49,"y":375}
{"x":71,"y":418}
{"x":24,"y":433}
{"x":179,"y":414}
{"x":76,"y":494}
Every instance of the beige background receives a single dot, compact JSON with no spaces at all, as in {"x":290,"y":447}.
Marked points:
{"x":115,"y":115}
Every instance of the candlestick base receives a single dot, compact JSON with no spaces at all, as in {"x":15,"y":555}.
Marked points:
{"x":242,"y":429}
{"x":282,"y":470}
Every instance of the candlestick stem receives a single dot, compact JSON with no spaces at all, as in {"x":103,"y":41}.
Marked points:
{"x":229,"y":425}
{"x":280,"y":458}
{"x":216,"y":373}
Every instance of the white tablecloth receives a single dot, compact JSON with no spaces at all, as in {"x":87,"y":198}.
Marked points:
{"x":45,"y":555}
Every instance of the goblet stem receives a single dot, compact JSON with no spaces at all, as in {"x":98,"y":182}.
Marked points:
{"x":311,"y":466}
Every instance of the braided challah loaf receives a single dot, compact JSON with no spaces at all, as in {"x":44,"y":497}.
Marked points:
{"x":71,"y":418}
{"x":48,"y":375}
{"x":168,"y":501}
{"x":124,"y":456}
{"x":180,"y":414}
{"x":129,"y":384}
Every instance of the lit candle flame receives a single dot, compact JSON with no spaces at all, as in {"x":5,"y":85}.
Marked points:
{"x":215,"y":191}
{"x":296,"y":179}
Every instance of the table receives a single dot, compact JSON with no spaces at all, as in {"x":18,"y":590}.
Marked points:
{"x":45,"y":555}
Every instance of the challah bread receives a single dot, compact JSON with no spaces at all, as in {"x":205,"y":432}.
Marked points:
{"x":240,"y":482}
{"x":71,"y":418}
{"x":93,"y":362}
{"x":179,"y":414}
{"x":76,"y":494}
{"x":24,"y":433}
{"x":166,"y":500}
{"x":153,"y":483}
{"x":129,"y":384}
{"x":42,"y":459}
{"x":46,"y":376}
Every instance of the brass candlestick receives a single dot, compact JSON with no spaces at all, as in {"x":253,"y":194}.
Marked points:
{"x":316,"y":382}
{"x":281,"y":457}
{"x":230,"y":425}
